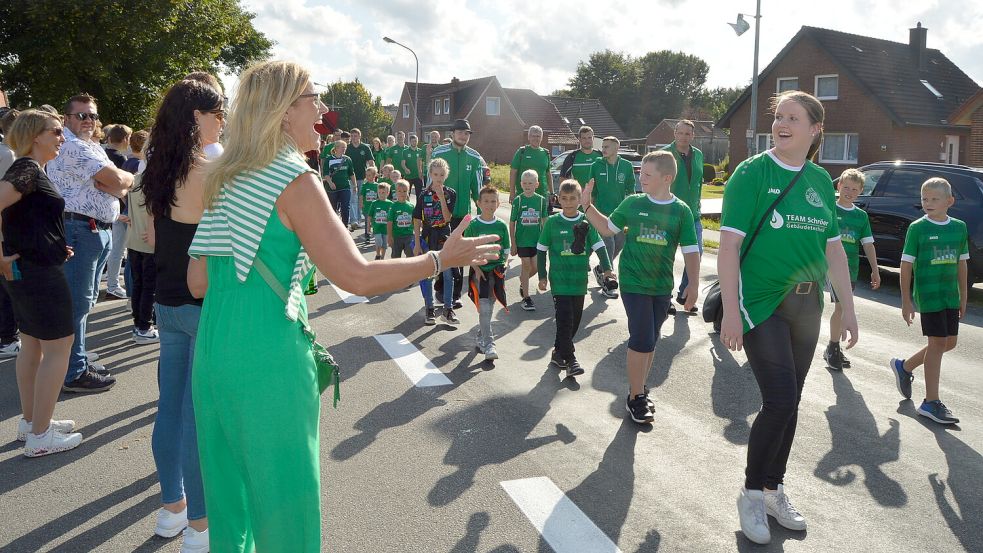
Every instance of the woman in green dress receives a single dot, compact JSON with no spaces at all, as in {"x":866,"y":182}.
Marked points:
{"x":255,"y":384}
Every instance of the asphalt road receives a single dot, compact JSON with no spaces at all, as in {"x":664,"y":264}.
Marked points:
{"x":420,"y":469}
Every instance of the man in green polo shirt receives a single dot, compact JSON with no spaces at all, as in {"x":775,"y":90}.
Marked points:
{"x":411,"y":164}
{"x":361,"y":154}
{"x":577,"y":165}
{"x":532,"y":156}
{"x":688,"y":185}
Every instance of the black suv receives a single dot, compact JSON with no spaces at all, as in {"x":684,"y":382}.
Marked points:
{"x":892,"y":199}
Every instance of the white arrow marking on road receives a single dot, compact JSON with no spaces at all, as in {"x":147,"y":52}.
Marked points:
{"x":412,"y":362}
{"x":348,"y":298}
{"x":561,"y":523}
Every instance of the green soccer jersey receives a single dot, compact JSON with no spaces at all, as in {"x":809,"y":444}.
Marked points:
{"x":791,"y":246}
{"x":360,"y":155}
{"x":612,"y":183}
{"x":380,"y":158}
{"x":537,"y":159}
{"x":340,"y":169}
{"x":654,"y":229}
{"x":411,"y":156}
{"x":466,"y":175}
{"x":567,"y":270}
{"x":370,"y":193}
{"x":528,"y":214}
{"x":854,"y":232}
{"x":582,"y":164}
{"x":480,"y":227}
{"x":379,"y":214}
{"x":401,"y":216}
{"x":395,"y":155}
{"x":935,"y":249}
{"x":688,"y":185}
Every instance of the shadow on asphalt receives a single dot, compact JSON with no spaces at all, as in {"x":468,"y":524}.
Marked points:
{"x":734,"y":393}
{"x":779,"y":536}
{"x":958,"y":495}
{"x":856,"y":442}
{"x":469,"y":542}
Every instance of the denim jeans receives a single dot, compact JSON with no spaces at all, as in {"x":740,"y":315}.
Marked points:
{"x":175,"y":441}
{"x":699,"y":240}
{"x":356,"y":212}
{"x":341,"y":202}
{"x":82,"y":271}
{"x":614,"y":245}
{"x":115,"y":260}
{"x":426,"y":285}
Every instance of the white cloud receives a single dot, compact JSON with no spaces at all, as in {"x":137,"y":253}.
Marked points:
{"x":538,"y":44}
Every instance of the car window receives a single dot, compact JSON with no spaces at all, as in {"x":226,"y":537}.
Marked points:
{"x":871,"y":178}
{"x":904,"y":183}
{"x":963,"y":185}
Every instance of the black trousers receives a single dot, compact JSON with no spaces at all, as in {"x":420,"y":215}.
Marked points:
{"x":417,"y":187}
{"x":8,"y":322}
{"x":779,"y":350}
{"x":458,"y":275}
{"x":143,"y":274}
{"x":568,"y":312}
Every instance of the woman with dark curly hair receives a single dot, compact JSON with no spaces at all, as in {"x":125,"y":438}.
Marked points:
{"x":189,"y":118}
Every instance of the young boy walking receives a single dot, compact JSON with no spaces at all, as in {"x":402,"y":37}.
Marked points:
{"x":854,"y":233}
{"x":563,"y":242}
{"x":431,"y":228}
{"x":614,"y":180}
{"x":936,"y":249}
{"x":379,"y":214}
{"x":368,"y":193}
{"x":654,"y":223}
{"x":487,"y":282}
{"x":400,"y":223}
{"x":529,"y":212}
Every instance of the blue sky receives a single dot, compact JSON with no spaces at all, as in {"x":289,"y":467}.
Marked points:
{"x":537,"y":44}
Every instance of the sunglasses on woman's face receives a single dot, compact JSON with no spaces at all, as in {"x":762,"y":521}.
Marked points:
{"x":57,"y":131}
{"x":82,"y":116}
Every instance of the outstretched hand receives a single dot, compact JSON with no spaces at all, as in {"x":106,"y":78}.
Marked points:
{"x":585,"y":197}
{"x":459,"y":251}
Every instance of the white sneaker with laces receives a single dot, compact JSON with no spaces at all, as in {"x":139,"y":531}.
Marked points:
{"x":754,"y":520}
{"x":10,"y":350}
{"x":781,"y":509}
{"x":490,"y":353}
{"x":170,"y":524}
{"x":24,"y":427}
{"x":50,"y":441}
{"x":149,"y":336}
{"x":194,"y":541}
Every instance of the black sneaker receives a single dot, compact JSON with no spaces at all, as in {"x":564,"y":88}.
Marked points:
{"x":833,"y":357}
{"x":599,"y":275}
{"x":608,"y":292}
{"x":429,"y":316}
{"x":579,"y":237}
{"x":458,"y":304}
{"x":902,"y":377}
{"x":101,"y":370}
{"x":527,"y":304}
{"x":450,"y":318}
{"x":648,"y":401}
{"x":574,"y":368}
{"x":90,"y":382}
{"x":937,"y":411}
{"x":671,"y":310}
{"x":557,"y":362}
{"x":638,"y":410}
{"x":846,"y":360}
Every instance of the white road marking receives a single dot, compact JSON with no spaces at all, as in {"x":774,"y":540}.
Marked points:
{"x":421,"y":372}
{"x":561,"y":523}
{"x":348,"y":298}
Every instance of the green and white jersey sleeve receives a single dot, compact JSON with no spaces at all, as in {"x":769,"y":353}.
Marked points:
{"x":935,"y":249}
{"x":480,"y":227}
{"x":854,"y":232}
{"x":791,"y":246}
{"x":567,"y":270}
{"x":653,"y":230}
{"x":612,"y":183}
{"x":528,"y":214}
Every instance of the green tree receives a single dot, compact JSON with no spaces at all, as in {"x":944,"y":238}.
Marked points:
{"x":357,"y":107}
{"x":124,"y":52}
{"x":711,"y":104}
{"x":612,"y":78}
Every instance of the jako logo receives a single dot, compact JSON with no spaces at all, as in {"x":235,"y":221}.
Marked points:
{"x":777,"y":221}
{"x":774,"y":191}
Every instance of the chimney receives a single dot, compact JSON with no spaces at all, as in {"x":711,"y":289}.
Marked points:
{"x":455,"y":80}
{"x":917,"y":40}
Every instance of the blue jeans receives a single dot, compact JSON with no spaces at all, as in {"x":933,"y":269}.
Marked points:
{"x":341,"y":202}
{"x":426,"y":285}
{"x":356,"y":212}
{"x":83,"y":271}
{"x":115,"y":261}
{"x":699,"y":240}
{"x":175,"y":441}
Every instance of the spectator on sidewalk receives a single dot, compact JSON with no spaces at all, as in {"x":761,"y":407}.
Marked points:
{"x":118,"y":144}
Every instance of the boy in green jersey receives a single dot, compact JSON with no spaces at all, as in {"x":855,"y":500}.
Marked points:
{"x":529,"y":212}
{"x":379,"y":214}
{"x":936,"y":249}
{"x":487,"y":282}
{"x":399,"y":227}
{"x":854,"y":233}
{"x":564,"y":241}
{"x":654,"y":223}
{"x":613,"y":179}
{"x":368,"y":193}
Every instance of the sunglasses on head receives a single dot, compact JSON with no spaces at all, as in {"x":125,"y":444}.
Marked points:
{"x":82,"y":116}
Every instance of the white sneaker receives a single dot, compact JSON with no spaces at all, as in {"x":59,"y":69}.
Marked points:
{"x":24,"y":427}
{"x":10,"y":350}
{"x":149,"y":336}
{"x":51,"y":441}
{"x":754,"y":521}
{"x":118,"y":293}
{"x":490,"y":353}
{"x":170,"y":524}
{"x":781,"y":509}
{"x":194,"y":541}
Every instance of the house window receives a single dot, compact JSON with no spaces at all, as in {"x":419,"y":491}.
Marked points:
{"x":840,"y":148}
{"x":493,"y":105}
{"x":447,"y":106}
{"x":787,"y":83}
{"x":763,"y":142}
{"x":827,"y":87}
{"x":436,"y":106}
{"x":406,"y":111}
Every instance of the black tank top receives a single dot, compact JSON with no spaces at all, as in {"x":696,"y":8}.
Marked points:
{"x":171,"y":257}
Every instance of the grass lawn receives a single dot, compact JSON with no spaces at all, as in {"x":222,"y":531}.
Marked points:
{"x":710,"y":224}
{"x":500,"y":176}
{"x":711,"y":244}
{"x":710,"y":191}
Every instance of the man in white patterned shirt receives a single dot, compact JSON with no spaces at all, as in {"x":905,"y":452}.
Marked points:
{"x":90,"y":184}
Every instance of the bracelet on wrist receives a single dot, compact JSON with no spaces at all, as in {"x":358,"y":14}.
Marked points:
{"x":436,"y":264}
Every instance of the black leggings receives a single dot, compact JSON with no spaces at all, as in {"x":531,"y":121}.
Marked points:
{"x":779,"y":350}
{"x":568,"y":312}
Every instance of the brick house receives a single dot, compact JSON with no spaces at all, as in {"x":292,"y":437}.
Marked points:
{"x":710,"y":139}
{"x":500,"y":116}
{"x":884,"y":100}
{"x":970,"y":114}
{"x":577,"y":112}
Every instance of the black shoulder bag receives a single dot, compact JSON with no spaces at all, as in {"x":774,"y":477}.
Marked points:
{"x":713,"y":305}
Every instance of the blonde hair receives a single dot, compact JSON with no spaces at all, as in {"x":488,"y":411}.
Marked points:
{"x":390,"y":166}
{"x":371,"y":169}
{"x":386,"y":185}
{"x":339,"y":143}
{"x":439,"y":163}
{"x":28,"y":126}
{"x":665,"y":162}
{"x":939,"y":184}
{"x":254,"y":133}
{"x":852,"y":174}
{"x":402,"y":183}
{"x":570,"y":186}
{"x":611,"y":139}
{"x":531,"y":173}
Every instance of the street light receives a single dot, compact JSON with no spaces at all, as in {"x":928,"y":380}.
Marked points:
{"x":416,"y":86}
{"x":740,"y":27}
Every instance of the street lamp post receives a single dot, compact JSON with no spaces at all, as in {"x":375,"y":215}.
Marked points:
{"x":416,"y":85}
{"x":740,"y":27}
